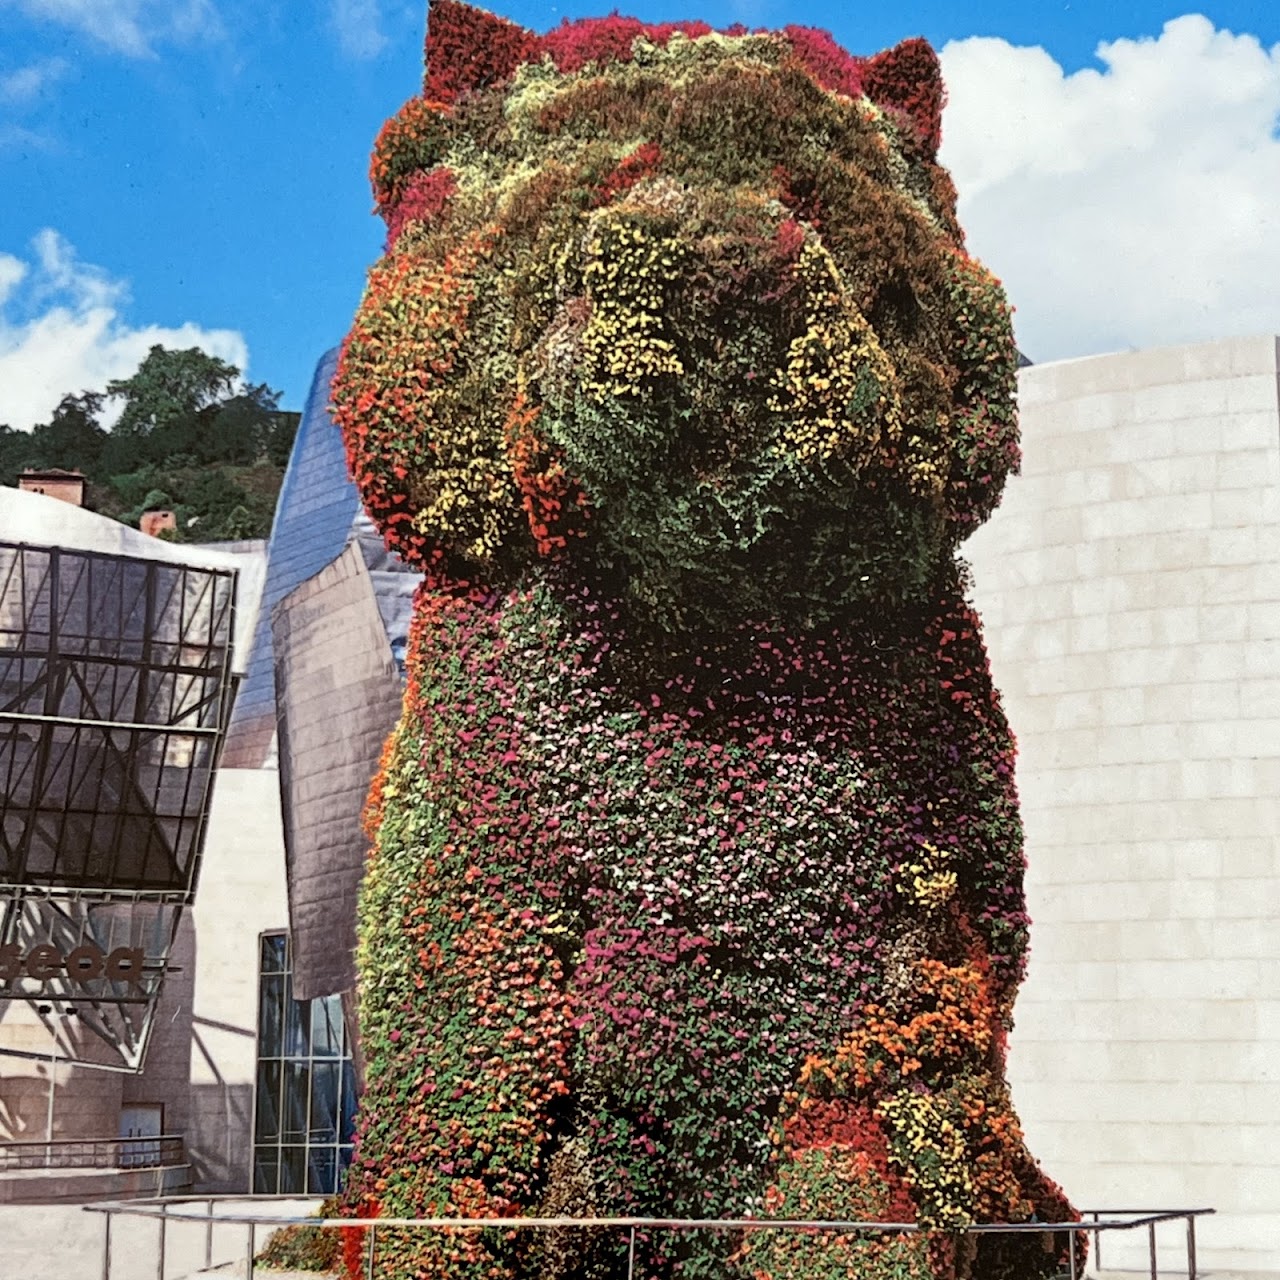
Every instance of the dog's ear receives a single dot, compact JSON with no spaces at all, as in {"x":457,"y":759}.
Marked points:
{"x":908,"y":79}
{"x":469,"y":48}
{"x":831,"y":66}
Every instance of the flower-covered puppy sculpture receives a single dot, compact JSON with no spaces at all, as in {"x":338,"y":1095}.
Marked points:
{"x":696,"y":887}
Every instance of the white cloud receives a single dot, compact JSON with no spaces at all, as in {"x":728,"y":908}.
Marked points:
{"x":30,"y":81}
{"x":12,"y":270}
{"x":128,"y":26}
{"x":61,"y":330}
{"x":358,"y":26}
{"x":1131,"y":206}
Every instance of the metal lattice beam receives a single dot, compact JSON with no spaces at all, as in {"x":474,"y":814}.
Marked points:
{"x":115,"y":694}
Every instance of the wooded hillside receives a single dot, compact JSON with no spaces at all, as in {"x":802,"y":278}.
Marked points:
{"x":192,"y":436}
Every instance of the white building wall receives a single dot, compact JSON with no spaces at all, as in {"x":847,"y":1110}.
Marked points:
{"x":1130,"y":587}
{"x":241,"y":894}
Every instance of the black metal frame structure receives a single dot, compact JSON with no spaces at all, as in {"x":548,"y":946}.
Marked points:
{"x":116,"y":689}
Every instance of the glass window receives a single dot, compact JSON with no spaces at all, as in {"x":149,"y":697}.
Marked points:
{"x":273,"y":947}
{"x":324,"y":1101}
{"x":347,"y":1112}
{"x":326,"y":1028}
{"x":293,"y":1124}
{"x":322,"y":1170}
{"x":266,"y":1124}
{"x":297,"y":1028}
{"x":305,"y":1106}
{"x":293,"y":1168}
{"x":266,"y":1170}
{"x":270,"y":1016}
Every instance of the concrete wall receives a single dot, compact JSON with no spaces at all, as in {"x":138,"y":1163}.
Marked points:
{"x":1130,"y":585}
{"x":81,"y":1186}
{"x":164,"y":1082}
{"x":241,"y":894}
{"x":86,"y":1103}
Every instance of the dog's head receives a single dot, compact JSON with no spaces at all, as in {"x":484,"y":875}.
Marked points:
{"x":689,"y":309}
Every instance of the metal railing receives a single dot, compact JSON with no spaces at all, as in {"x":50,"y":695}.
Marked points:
{"x":93,"y":1153}
{"x":1093,"y":1222}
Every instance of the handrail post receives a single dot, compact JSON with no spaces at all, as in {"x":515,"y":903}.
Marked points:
{"x":164,"y":1223}
{"x":248,"y":1266}
{"x":1097,"y":1242}
{"x":373,"y":1236}
{"x":1191,"y":1246}
{"x":631,"y":1256}
{"x":1151,"y":1245}
{"x":1071,"y":1255}
{"x":208,"y":1237}
{"x":106,"y":1246}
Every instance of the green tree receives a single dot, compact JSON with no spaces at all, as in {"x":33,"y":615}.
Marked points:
{"x":278,"y":442}
{"x":238,"y":524}
{"x":170,"y":386}
{"x":217,"y":502}
{"x":15,"y":453}
{"x":133,"y":489}
{"x":73,"y":438}
{"x":242,"y":424}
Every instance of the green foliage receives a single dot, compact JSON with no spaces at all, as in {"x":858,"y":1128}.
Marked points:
{"x":190,"y":439}
{"x":72,"y":439}
{"x":170,"y":387}
{"x":725,"y":310}
{"x":730,"y":925}
{"x":304,"y":1248}
{"x":216,"y":497}
{"x":696,"y":884}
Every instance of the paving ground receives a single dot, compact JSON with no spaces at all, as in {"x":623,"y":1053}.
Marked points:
{"x":64,"y":1242}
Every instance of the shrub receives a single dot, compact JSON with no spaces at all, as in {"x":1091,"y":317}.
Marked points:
{"x":305,"y":1248}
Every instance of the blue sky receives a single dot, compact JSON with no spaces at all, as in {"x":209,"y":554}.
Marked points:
{"x":194,"y":170}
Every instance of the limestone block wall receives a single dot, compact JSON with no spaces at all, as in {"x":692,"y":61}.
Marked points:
{"x":1130,"y":586}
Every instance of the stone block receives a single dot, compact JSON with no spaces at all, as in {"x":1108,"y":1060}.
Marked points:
{"x":1248,"y":430}
{"x":1174,"y":622}
{"x":1247,"y":898}
{"x":1251,"y":393}
{"x":1264,"y":614}
{"x":1263,"y":700}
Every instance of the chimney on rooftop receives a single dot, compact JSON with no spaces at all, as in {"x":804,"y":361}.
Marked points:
{"x":66,"y":486}
{"x":153,"y":523}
